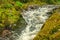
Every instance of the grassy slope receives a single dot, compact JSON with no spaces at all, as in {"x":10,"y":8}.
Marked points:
{"x":51,"y":29}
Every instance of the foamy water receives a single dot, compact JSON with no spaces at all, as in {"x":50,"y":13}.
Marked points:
{"x":35,"y":18}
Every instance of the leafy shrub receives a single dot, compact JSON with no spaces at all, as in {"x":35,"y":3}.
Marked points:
{"x":19,"y":4}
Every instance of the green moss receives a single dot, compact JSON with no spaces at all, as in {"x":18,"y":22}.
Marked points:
{"x":9,"y":16}
{"x":55,"y":29}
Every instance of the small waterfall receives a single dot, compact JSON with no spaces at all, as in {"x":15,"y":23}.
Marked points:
{"x":35,"y":18}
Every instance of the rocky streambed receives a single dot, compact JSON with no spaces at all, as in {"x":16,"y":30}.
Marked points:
{"x":31,"y":22}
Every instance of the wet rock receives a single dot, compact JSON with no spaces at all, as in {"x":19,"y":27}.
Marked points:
{"x":6,"y":33}
{"x":33,"y":6}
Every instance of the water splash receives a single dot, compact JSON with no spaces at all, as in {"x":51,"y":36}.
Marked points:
{"x":35,"y":18}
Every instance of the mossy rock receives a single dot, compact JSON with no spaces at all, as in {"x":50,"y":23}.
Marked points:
{"x":51,"y":29}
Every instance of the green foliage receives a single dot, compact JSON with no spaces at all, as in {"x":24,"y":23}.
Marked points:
{"x":8,"y":5}
{"x":58,"y":1}
{"x":8,"y":16}
{"x":18,"y":3}
{"x":56,"y":29}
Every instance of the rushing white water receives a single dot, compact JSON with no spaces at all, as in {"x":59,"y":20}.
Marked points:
{"x":35,"y":18}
